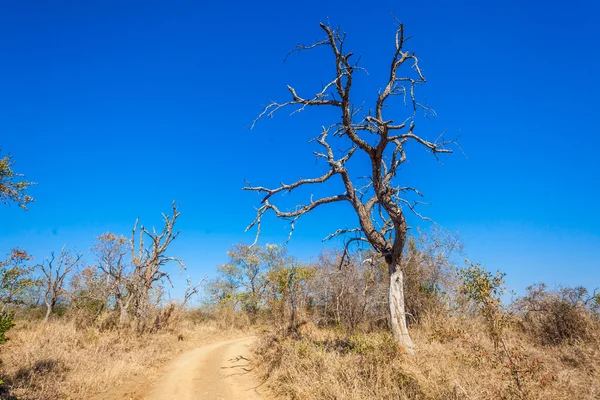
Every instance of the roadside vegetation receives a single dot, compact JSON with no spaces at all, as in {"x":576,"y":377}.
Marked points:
{"x":73,"y":327}
{"x":64,"y":360}
{"x":401,"y":315}
{"x":323,"y":324}
{"x":407,"y":318}
{"x":325,"y":330}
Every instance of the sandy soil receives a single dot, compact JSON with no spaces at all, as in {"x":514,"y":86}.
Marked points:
{"x":218,"y":371}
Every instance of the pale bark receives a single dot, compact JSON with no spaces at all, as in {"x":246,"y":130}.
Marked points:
{"x":148,"y":265}
{"x":397,"y":308}
{"x":55,"y":271}
{"x":48,"y":312}
{"x":123,"y":315}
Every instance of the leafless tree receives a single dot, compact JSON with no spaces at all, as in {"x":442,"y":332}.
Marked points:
{"x":352,"y":295}
{"x":55,"y":270}
{"x":111,"y":251}
{"x":149,"y":261}
{"x":381,"y":202}
{"x":89,"y":294}
{"x":191,"y":290}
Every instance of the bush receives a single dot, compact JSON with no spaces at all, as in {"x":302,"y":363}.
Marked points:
{"x":430,"y":273}
{"x":327,"y":366}
{"x":6,"y":322}
{"x":552,"y":318}
{"x":484,"y":290}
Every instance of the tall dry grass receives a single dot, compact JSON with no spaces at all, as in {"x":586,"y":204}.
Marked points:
{"x":61,"y":360}
{"x":455,"y":359}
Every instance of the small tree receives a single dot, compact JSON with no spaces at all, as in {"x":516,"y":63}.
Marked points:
{"x":430,"y":264}
{"x":149,"y":262}
{"x":55,"y":270}
{"x":15,"y":278}
{"x":553,"y":317}
{"x":350,"y":295}
{"x":15,"y":282}
{"x":6,"y":322}
{"x":89,"y":293}
{"x":379,"y":201}
{"x":246,"y":267}
{"x":12,"y":188}
{"x":286,"y":285}
{"x":191,"y":290}
{"x":485,"y":290}
{"x":111,"y":251}
{"x":243,"y":280}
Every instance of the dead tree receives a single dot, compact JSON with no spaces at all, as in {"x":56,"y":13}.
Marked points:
{"x":111,"y":251}
{"x":379,"y":202}
{"x":191,"y":290}
{"x":55,"y":270}
{"x":149,"y":261}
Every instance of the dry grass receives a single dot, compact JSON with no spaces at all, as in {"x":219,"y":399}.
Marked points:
{"x":59,"y":361}
{"x":455,"y":360}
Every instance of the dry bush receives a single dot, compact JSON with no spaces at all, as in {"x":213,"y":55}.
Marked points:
{"x":430,"y":271}
{"x":62,"y":360}
{"x":327,"y":366}
{"x":353,"y":295}
{"x":553,"y":318}
{"x":455,"y":359}
{"x":348,"y":295}
{"x":226,"y":318}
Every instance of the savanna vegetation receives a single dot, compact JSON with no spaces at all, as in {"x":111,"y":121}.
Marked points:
{"x":73,"y":326}
{"x":323,"y":324}
{"x":325,"y":329}
{"x":346,"y":324}
{"x":391,"y":314}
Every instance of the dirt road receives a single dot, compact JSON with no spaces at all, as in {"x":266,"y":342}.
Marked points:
{"x":218,"y":371}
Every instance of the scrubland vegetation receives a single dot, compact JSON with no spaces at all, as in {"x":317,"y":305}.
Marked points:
{"x":332,"y":328}
{"x":326,"y":333}
{"x":63,"y":360}
{"x":71,"y":331}
{"x":323,"y":325}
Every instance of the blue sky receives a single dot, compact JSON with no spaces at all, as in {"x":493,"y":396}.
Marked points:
{"x":117,"y":108}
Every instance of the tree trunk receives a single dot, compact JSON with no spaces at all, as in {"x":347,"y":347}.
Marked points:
{"x":48,"y":312}
{"x":397,"y":309}
{"x":123,"y":311}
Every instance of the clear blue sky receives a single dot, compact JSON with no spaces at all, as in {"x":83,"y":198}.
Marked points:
{"x":117,"y":108}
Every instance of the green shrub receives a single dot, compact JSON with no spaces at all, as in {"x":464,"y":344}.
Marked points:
{"x":6,"y":322}
{"x":485,"y":290}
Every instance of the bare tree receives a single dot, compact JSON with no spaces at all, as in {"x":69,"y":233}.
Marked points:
{"x":380,"y":202}
{"x":55,"y":270}
{"x":351,"y":295}
{"x":111,"y":251}
{"x":149,"y":261}
{"x":191,"y":290}
{"x":287,"y":291}
{"x":89,"y":294}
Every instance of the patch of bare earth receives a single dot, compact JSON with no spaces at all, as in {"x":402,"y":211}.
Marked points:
{"x":59,"y":361}
{"x":216,"y":371}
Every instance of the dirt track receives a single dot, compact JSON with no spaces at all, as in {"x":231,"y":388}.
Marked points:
{"x":218,"y":371}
